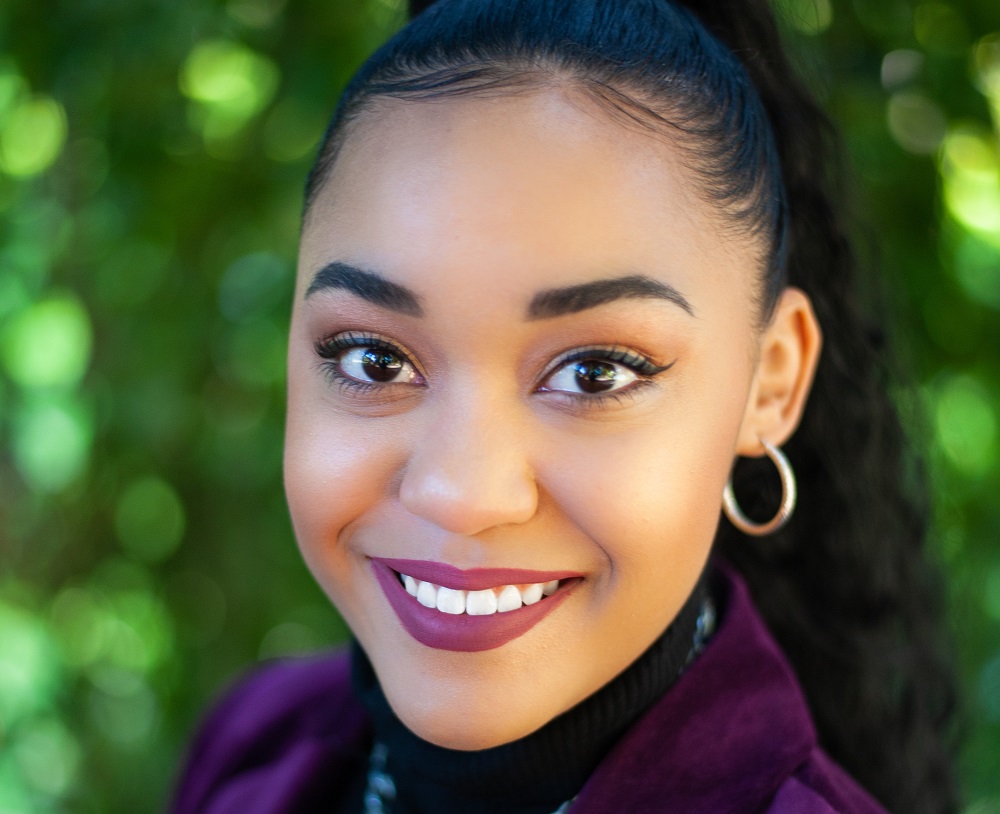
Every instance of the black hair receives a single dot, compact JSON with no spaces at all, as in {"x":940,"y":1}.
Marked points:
{"x":467,"y":47}
{"x":846,"y":587}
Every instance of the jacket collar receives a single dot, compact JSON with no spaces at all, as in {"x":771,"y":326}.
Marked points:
{"x":726,"y":735}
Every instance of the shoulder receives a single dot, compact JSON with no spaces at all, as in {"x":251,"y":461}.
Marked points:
{"x":820,"y":786}
{"x":288,"y":733}
{"x":734,"y":735}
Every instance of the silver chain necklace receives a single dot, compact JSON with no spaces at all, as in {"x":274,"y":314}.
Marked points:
{"x":380,"y":792}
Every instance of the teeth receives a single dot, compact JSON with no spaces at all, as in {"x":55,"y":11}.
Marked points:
{"x":427,"y":595}
{"x":477,"y":603}
{"x":481,"y":603}
{"x":411,"y":585}
{"x":509,"y":599}
{"x":449,"y":601}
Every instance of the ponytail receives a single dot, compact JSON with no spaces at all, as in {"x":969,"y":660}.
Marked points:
{"x":417,"y":6}
{"x":847,"y":586}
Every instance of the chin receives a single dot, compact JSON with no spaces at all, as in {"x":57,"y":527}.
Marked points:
{"x":452,"y":720}
{"x":460,"y":732}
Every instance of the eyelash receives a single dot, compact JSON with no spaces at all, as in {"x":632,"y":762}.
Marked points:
{"x":330,"y":349}
{"x":610,"y":353}
{"x":641,"y":366}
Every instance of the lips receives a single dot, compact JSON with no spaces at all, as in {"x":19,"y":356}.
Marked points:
{"x":462,"y":625}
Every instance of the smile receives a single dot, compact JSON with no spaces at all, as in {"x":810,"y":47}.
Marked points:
{"x":486,"y":602}
{"x":448,"y":608}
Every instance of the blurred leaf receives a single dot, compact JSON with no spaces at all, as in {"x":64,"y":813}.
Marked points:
{"x":48,"y":344}
{"x":32,"y":134}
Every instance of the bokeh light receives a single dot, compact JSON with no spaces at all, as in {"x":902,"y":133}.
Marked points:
{"x":51,"y":444}
{"x":900,"y":68}
{"x":48,"y":756}
{"x":970,"y":167}
{"x":29,"y":666}
{"x":966,"y":422}
{"x":987,"y":62}
{"x":917,"y":124}
{"x":48,"y":344}
{"x":149,"y":519}
{"x":32,"y":134}
{"x":939,"y":27}
{"x":977,"y":268}
{"x":231,"y":83}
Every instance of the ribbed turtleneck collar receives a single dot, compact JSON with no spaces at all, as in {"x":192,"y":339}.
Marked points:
{"x":536,"y":774}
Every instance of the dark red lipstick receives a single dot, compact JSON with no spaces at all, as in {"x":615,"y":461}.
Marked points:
{"x":461,"y":632}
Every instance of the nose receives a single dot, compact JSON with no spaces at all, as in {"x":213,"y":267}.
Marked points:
{"x":470,"y":472}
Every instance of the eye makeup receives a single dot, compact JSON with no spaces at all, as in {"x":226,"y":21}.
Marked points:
{"x":365,"y":363}
{"x":350,"y":355}
{"x":640,"y":364}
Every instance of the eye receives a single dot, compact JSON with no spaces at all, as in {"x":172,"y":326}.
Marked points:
{"x":591,"y":376}
{"x":365,"y":360}
{"x":376,"y":365}
{"x":594,"y":372}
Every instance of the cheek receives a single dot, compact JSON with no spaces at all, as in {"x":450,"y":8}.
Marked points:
{"x":651,"y":498}
{"x":335,"y":472}
{"x":641,"y":500}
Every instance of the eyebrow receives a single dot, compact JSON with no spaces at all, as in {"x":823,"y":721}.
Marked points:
{"x":368,"y":286}
{"x":555,"y":302}
{"x":552,"y":302}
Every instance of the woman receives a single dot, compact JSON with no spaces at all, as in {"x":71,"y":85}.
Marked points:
{"x":564,"y":262}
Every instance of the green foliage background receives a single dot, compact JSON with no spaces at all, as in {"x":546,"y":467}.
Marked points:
{"x":152,"y":154}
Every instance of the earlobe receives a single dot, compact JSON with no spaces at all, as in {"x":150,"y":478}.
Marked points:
{"x":789,"y":352}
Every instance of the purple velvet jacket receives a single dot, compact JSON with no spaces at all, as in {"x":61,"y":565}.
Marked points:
{"x":732,"y":736}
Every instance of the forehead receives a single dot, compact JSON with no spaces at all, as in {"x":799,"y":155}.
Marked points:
{"x":545,"y":183}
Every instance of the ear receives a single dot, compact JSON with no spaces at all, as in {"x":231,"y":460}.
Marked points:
{"x":789,"y":352}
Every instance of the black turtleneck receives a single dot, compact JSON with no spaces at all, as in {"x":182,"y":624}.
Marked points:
{"x":538,"y":773}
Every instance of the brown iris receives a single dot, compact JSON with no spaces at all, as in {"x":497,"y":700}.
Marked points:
{"x":595,"y":377}
{"x":380,"y":366}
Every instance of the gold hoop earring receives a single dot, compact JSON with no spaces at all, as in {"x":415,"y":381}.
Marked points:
{"x":788,"y":496}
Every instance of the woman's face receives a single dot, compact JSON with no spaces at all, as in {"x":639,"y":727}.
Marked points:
{"x":521,"y":353}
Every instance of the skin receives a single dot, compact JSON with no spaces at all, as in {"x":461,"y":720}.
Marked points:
{"x":484,"y":458}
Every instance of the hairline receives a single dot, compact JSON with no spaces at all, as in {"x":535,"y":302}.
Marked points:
{"x":531,"y":75}
{"x":512,"y":78}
